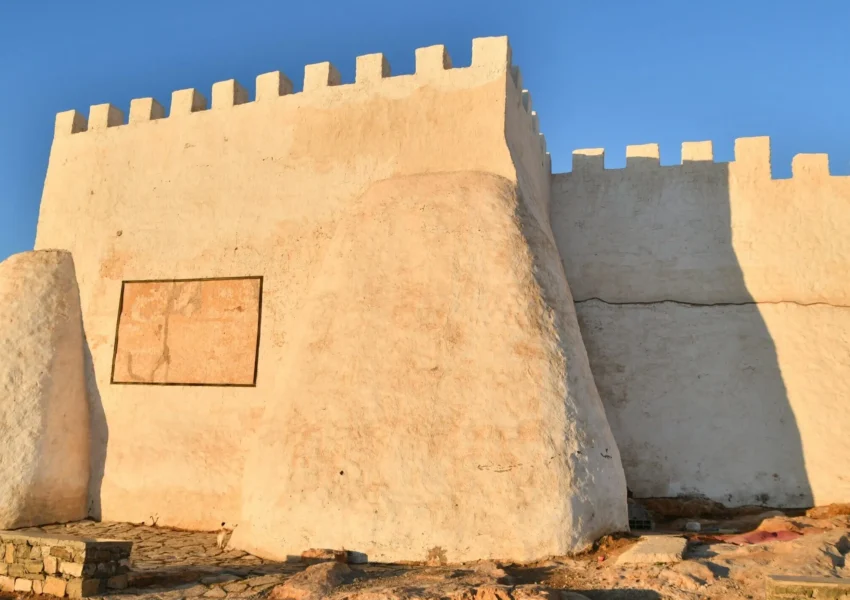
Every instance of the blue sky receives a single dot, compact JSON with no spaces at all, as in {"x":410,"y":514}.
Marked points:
{"x":601,"y":73}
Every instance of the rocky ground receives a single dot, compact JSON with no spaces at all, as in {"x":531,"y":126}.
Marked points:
{"x":718,"y":563}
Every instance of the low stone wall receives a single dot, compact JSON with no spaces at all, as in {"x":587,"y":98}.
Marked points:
{"x":62,"y":565}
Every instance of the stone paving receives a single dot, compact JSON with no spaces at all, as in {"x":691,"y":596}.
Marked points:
{"x":172,"y":564}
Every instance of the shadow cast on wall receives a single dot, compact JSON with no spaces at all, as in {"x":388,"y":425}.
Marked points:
{"x":98,"y":435}
{"x":681,"y":353}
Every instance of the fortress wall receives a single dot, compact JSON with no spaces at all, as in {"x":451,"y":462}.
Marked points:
{"x":704,"y":232}
{"x":247,"y":189}
{"x":714,"y":305}
{"x":383,"y":219}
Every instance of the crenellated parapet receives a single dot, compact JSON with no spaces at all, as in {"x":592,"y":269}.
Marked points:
{"x":533,"y":119}
{"x":752,"y":154}
{"x":490,"y":55}
{"x":686,"y":232}
{"x":413,"y":205}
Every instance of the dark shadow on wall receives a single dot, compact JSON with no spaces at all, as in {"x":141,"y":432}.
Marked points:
{"x":98,"y":435}
{"x":693,"y":389}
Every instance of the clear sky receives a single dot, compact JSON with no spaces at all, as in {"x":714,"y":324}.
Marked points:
{"x":601,"y":73}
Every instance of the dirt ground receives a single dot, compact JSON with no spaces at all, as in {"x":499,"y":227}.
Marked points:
{"x":729,"y":557}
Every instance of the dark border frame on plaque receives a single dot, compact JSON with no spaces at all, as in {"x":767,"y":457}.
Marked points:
{"x":187,"y":280}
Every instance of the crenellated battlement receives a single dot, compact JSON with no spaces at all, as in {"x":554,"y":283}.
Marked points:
{"x":489,"y":54}
{"x":752,"y":153}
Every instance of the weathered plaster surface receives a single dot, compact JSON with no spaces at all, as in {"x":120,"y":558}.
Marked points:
{"x":704,"y":232}
{"x":591,"y":469}
{"x":44,"y":418}
{"x":745,"y":404}
{"x":713,"y":301}
{"x":388,"y":413}
{"x":194,"y":332}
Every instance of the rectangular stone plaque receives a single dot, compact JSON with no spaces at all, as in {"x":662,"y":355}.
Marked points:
{"x":188,"y":332}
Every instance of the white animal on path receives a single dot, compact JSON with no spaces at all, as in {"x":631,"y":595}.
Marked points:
{"x":222,"y":538}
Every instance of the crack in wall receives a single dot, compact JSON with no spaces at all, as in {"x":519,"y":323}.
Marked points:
{"x":707,"y":304}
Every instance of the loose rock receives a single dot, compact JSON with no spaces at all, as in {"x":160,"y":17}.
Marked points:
{"x":654,"y":549}
{"x":313,"y":583}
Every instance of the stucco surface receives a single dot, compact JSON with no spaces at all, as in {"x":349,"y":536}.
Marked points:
{"x":704,"y":232}
{"x":295,"y":188}
{"x":446,"y":438}
{"x":44,"y":419}
{"x":713,"y":303}
{"x":744,"y":404}
{"x":195,"y":332}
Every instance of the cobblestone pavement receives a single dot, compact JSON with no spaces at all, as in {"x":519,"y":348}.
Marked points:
{"x":171,"y":564}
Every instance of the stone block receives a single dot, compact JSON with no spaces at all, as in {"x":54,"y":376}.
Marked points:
{"x":82,"y":588}
{"x":654,"y":549}
{"x":4,"y":568}
{"x":62,"y":553}
{"x":17,"y":570}
{"x":23,"y":585}
{"x":50,"y":564}
{"x":99,"y":555}
{"x":10,"y":554}
{"x":37,"y":586}
{"x":54,"y":586}
{"x":34,"y":566}
{"x":194,"y":591}
{"x":780,"y":587}
{"x":35,"y":552}
{"x":118,"y":582}
{"x":71,"y":569}
{"x":7,"y":584}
